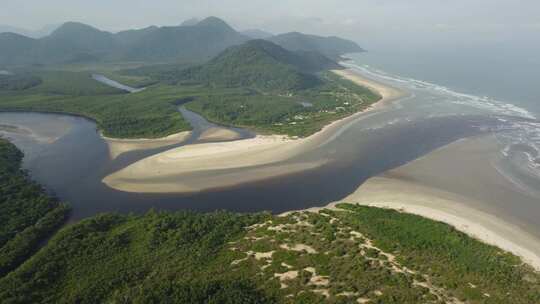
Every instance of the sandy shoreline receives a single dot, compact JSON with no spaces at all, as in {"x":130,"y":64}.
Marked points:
{"x":119,"y":146}
{"x":196,"y":165}
{"x":431,"y":187}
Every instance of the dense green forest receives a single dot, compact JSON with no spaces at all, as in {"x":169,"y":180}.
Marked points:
{"x":301,"y":113}
{"x":151,"y":113}
{"x":349,"y":255}
{"x":27,"y":214}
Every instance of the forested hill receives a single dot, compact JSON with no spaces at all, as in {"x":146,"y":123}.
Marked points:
{"x":194,"y":41}
{"x":259,"y":64}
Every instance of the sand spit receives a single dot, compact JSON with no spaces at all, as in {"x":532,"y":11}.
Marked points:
{"x":37,"y":133}
{"x":388,"y":93}
{"x":208,"y":166}
{"x":120,"y":146}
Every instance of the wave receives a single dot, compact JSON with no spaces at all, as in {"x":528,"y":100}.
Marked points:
{"x":518,"y":132}
{"x":481,"y":102}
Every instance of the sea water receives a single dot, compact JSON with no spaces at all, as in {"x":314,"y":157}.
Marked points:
{"x":499,"y":83}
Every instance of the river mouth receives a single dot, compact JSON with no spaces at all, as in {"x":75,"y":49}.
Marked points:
{"x":73,"y":166}
{"x":72,"y":163}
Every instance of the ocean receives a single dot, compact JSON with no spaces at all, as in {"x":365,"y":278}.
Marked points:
{"x":500,"y":83}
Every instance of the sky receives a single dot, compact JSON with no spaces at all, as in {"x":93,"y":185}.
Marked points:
{"x":371,"y":22}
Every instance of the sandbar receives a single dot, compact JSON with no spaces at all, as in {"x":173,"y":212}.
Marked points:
{"x":159,"y":173}
{"x":119,"y":146}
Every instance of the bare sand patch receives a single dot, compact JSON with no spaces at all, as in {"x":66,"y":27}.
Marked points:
{"x":219,"y":134}
{"x":120,"y":146}
{"x":299,"y":248}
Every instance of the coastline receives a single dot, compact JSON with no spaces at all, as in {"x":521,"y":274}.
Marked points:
{"x":419,"y":188}
{"x":191,"y":168}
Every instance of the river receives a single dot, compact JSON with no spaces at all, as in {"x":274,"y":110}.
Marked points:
{"x":67,"y":155}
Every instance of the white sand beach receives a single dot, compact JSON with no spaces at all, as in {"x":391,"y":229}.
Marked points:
{"x":120,"y":146}
{"x":164,"y":172}
{"x":457,"y":185}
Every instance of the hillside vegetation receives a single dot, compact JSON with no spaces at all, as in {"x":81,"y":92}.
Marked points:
{"x":27,"y":214}
{"x":299,"y":113}
{"x":260,"y":65}
{"x":350,"y":255}
{"x":150,"y":113}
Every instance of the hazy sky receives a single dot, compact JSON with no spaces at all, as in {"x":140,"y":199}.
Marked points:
{"x":375,"y":22}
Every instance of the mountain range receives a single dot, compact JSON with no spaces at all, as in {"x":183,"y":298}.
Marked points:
{"x":39,"y":33}
{"x":192,"y":41}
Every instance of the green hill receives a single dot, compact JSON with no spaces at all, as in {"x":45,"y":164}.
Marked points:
{"x":261,"y":65}
{"x":332,"y":47}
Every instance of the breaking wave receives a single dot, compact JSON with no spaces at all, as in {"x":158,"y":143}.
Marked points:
{"x":518,"y":134}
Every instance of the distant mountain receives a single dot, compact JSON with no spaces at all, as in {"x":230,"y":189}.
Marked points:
{"x":332,"y":47}
{"x":259,"y":64}
{"x":45,"y":31}
{"x":190,"y":22}
{"x":72,"y":42}
{"x":130,"y":37}
{"x":15,"y":48}
{"x":12,"y":29}
{"x":75,"y":42}
{"x":198,"y":42}
{"x":80,"y":37}
{"x":257,"y":34}
{"x":193,"y":42}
